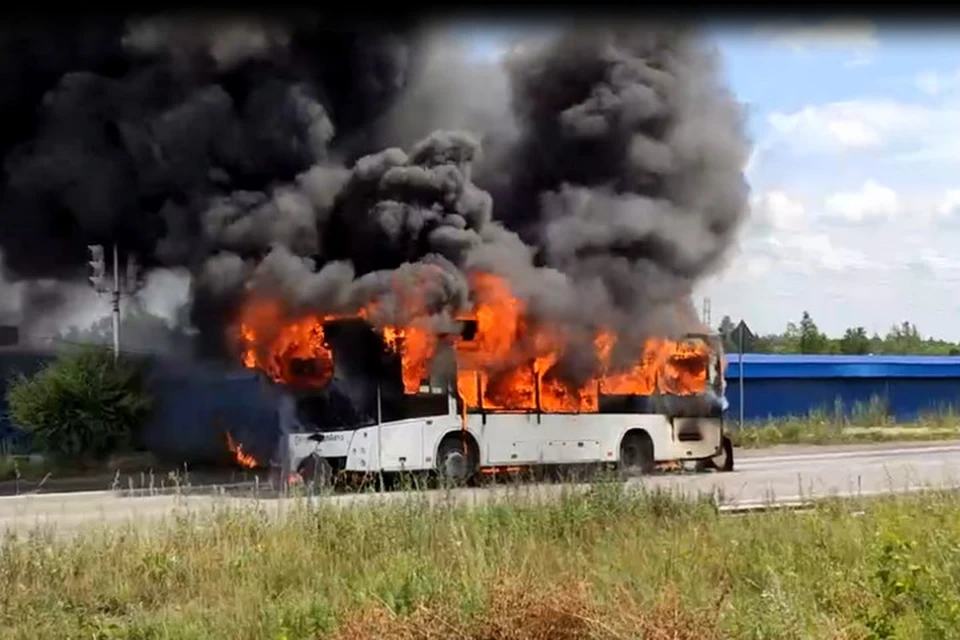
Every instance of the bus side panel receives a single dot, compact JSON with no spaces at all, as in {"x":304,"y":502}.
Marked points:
{"x":401,"y":445}
{"x":362,"y":455}
{"x":508,"y":438}
{"x":673,"y":448}
{"x":660,"y":432}
{"x":573,"y":438}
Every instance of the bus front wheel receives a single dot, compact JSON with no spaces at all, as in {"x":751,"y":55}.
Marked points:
{"x":456,"y":460}
{"x":636,"y":455}
{"x":316,"y":472}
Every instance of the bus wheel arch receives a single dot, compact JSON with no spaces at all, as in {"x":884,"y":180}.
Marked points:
{"x":636,"y":454}
{"x":458,"y":457}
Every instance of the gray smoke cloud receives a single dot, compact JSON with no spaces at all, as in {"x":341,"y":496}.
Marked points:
{"x":228,"y":40}
{"x":600,"y":171}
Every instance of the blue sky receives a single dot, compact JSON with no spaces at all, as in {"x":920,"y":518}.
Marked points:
{"x":855,"y":175}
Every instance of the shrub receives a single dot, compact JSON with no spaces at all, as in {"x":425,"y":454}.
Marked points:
{"x":82,"y":405}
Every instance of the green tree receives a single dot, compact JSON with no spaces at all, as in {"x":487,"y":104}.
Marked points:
{"x":83,"y":405}
{"x":139,"y":330}
{"x":806,"y":337}
{"x":811,"y":340}
{"x":790,"y":340}
{"x":726,"y":332}
{"x":855,"y":341}
{"x":903,"y":339}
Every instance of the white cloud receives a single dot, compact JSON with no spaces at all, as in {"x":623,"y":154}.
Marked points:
{"x":910,"y":131}
{"x":935,"y":83}
{"x":861,"y":58}
{"x":871,"y":202}
{"x":776,"y":210}
{"x":851,"y":124}
{"x":837,"y":33}
{"x":860,"y":36}
{"x":949,"y":205}
{"x":930,"y":262}
{"x":808,"y":253}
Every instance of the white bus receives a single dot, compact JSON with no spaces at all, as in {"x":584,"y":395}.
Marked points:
{"x":634,"y":433}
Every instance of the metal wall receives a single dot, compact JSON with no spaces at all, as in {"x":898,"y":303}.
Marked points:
{"x":195,"y":408}
{"x":795,"y":385}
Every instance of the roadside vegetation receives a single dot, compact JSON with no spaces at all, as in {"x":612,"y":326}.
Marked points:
{"x":804,"y":336}
{"x":863,"y":422}
{"x":76,"y":411}
{"x":604,"y":564}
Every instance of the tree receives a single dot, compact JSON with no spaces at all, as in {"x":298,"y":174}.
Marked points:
{"x":140,"y":330}
{"x":726,"y":329}
{"x":811,"y":340}
{"x":806,"y":337}
{"x":790,"y":342}
{"x":855,"y":341}
{"x":904,"y":339}
{"x":83,"y":405}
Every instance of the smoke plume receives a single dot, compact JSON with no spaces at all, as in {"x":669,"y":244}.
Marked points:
{"x":600,"y":172}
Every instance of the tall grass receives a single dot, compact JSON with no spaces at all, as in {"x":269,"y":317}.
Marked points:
{"x":869,"y":421}
{"x":605,"y":564}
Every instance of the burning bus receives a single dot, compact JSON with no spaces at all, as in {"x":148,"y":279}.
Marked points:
{"x":483,"y":393}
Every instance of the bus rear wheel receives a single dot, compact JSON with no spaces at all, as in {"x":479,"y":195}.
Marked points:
{"x":636,"y":455}
{"x":457,"y":460}
{"x":723,"y":461}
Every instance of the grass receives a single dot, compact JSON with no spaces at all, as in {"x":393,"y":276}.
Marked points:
{"x":863,"y":422}
{"x":605,"y":564}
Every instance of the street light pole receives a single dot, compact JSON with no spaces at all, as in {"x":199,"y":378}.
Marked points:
{"x":115,"y":303}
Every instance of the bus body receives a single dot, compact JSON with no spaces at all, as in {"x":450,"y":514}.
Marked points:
{"x":636,"y":432}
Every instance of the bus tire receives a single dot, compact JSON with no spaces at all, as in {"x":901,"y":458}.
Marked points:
{"x":636,"y":455}
{"x":315,"y":472}
{"x":456,"y":464}
{"x":723,"y":461}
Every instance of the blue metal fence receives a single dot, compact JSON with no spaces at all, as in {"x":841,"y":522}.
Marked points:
{"x":785,"y":385}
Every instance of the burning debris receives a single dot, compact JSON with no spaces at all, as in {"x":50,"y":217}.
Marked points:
{"x":259,"y":156}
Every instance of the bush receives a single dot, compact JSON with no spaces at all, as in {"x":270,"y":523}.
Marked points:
{"x":83,"y":405}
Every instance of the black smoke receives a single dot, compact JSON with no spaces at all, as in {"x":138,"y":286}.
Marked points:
{"x":327,"y":165}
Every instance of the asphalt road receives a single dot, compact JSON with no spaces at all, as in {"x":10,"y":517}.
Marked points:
{"x":785,"y":474}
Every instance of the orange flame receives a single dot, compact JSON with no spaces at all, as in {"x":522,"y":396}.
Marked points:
{"x":243,"y":459}
{"x":275,"y":344}
{"x":509,"y":361}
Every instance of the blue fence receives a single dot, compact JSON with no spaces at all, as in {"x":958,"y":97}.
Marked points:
{"x":785,"y":385}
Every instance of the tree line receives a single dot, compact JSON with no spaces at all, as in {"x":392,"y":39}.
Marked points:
{"x":805,"y":337}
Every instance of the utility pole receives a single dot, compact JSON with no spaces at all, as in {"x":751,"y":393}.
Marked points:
{"x":115,"y":305}
{"x":101,"y":285}
{"x":706,"y":311}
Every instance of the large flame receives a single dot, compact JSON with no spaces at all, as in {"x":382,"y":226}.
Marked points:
{"x":507,"y":365}
{"x":275,"y":344}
